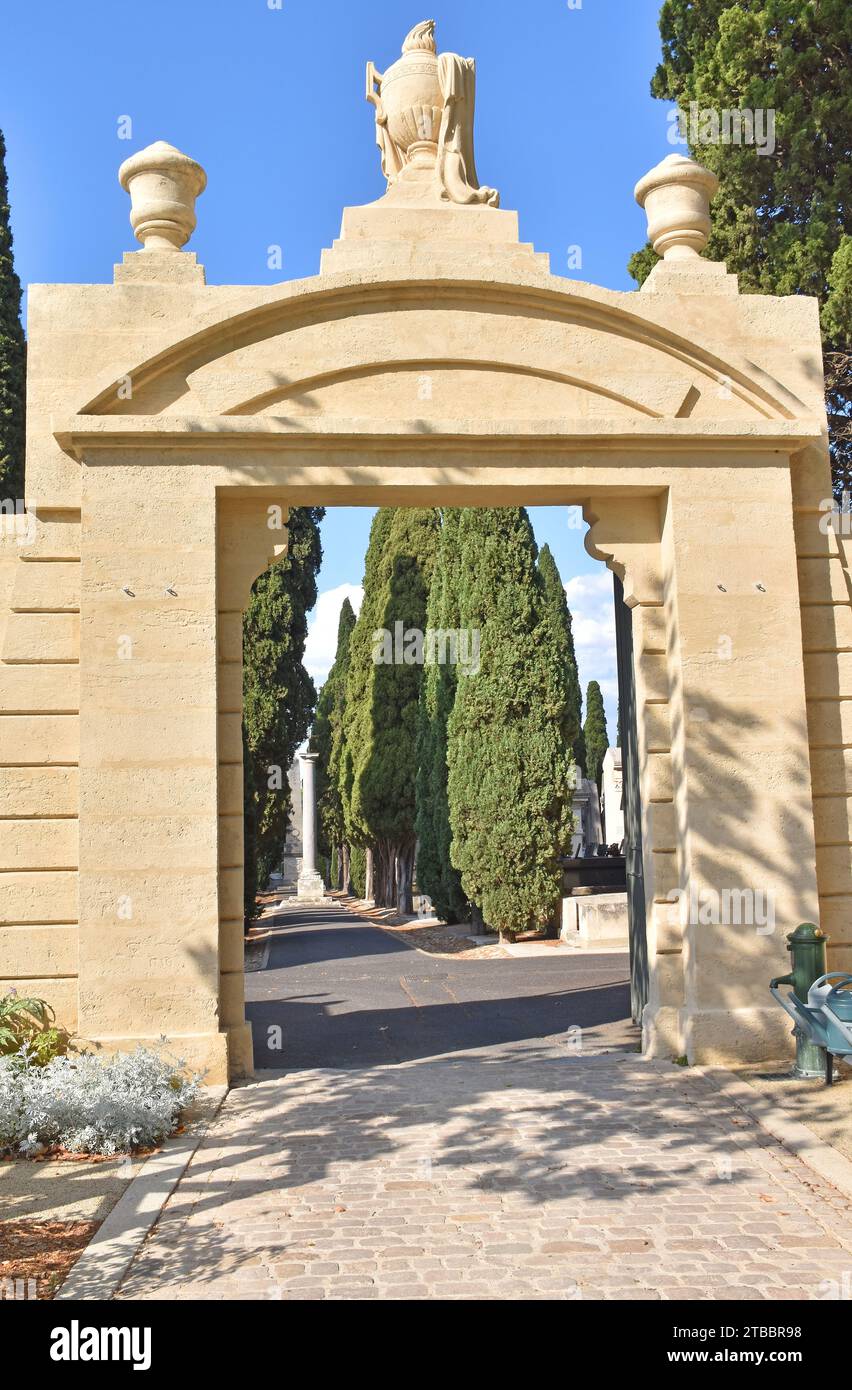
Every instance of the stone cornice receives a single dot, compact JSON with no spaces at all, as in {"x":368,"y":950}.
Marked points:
{"x":87,"y":433}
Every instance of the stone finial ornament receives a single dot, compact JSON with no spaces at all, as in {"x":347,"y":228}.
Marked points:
{"x":163,"y":185}
{"x":424,"y":123}
{"x":676,"y":197}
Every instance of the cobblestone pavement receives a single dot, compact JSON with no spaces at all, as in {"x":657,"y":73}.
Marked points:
{"x":515,"y":1171}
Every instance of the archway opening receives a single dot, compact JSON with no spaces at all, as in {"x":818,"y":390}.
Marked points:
{"x":311,"y":978}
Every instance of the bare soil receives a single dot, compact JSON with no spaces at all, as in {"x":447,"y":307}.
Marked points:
{"x":826,"y":1110}
{"x":36,"y":1256}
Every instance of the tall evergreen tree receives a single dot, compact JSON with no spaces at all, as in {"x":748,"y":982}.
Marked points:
{"x":782,"y":220}
{"x":509,"y":768}
{"x":326,"y":740}
{"x":580,"y":753}
{"x":436,"y":875}
{"x":558,"y":617}
{"x":278,"y":694}
{"x":12,"y":356}
{"x":358,"y":871}
{"x":595,"y":733}
{"x":383,"y":694}
{"x":356,"y":702}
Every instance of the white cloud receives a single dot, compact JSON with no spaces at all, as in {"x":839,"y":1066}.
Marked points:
{"x":322,"y":628}
{"x":590,"y":599}
{"x":592,"y":609}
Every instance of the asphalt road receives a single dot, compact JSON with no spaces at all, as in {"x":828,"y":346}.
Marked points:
{"x":337,"y":992}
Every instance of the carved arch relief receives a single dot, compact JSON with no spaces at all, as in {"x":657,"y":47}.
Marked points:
{"x":412,"y":351}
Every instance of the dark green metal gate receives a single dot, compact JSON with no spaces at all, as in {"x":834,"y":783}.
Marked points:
{"x":628,"y":738}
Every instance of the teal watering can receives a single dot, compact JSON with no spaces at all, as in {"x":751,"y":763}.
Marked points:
{"x":826,"y":1019}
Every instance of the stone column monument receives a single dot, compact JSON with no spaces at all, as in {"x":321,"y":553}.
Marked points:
{"x":311,"y":888}
{"x":291,"y":859}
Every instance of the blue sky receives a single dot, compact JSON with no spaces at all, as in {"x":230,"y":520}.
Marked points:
{"x":269,"y":96}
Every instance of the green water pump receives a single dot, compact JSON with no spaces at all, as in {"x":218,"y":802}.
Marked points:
{"x":807,"y":953}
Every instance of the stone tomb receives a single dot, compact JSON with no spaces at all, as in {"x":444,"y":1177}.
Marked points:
{"x":612,"y":791}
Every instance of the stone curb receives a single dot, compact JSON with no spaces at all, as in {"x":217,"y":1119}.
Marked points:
{"x":385,"y":924}
{"x":792,"y":1133}
{"x":102,"y":1267}
{"x":387,"y":919}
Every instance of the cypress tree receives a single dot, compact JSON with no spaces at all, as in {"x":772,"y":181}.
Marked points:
{"x":580,"y":753}
{"x":436,"y":875}
{"x":355,"y":703}
{"x":326,"y":739}
{"x":358,"y":871}
{"x":383,"y":692}
{"x":596,"y":736}
{"x":12,"y":356}
{"x":558,"y":617}
{"x":278,"y":694}
{"x":510,"y":770}
{"x":782,"y":219}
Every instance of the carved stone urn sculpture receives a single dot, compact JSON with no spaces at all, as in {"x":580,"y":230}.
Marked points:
{"x":676,"y":195}
{"x":163,"y":185}
{"x":424,"y":123}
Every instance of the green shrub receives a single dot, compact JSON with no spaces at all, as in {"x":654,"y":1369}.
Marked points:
{"x":50,"y":1043}
{"x":29,"y":1022}
{"x":86,"y":1104}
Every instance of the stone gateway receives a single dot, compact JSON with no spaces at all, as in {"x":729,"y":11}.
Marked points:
{"x":171,"y":423}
